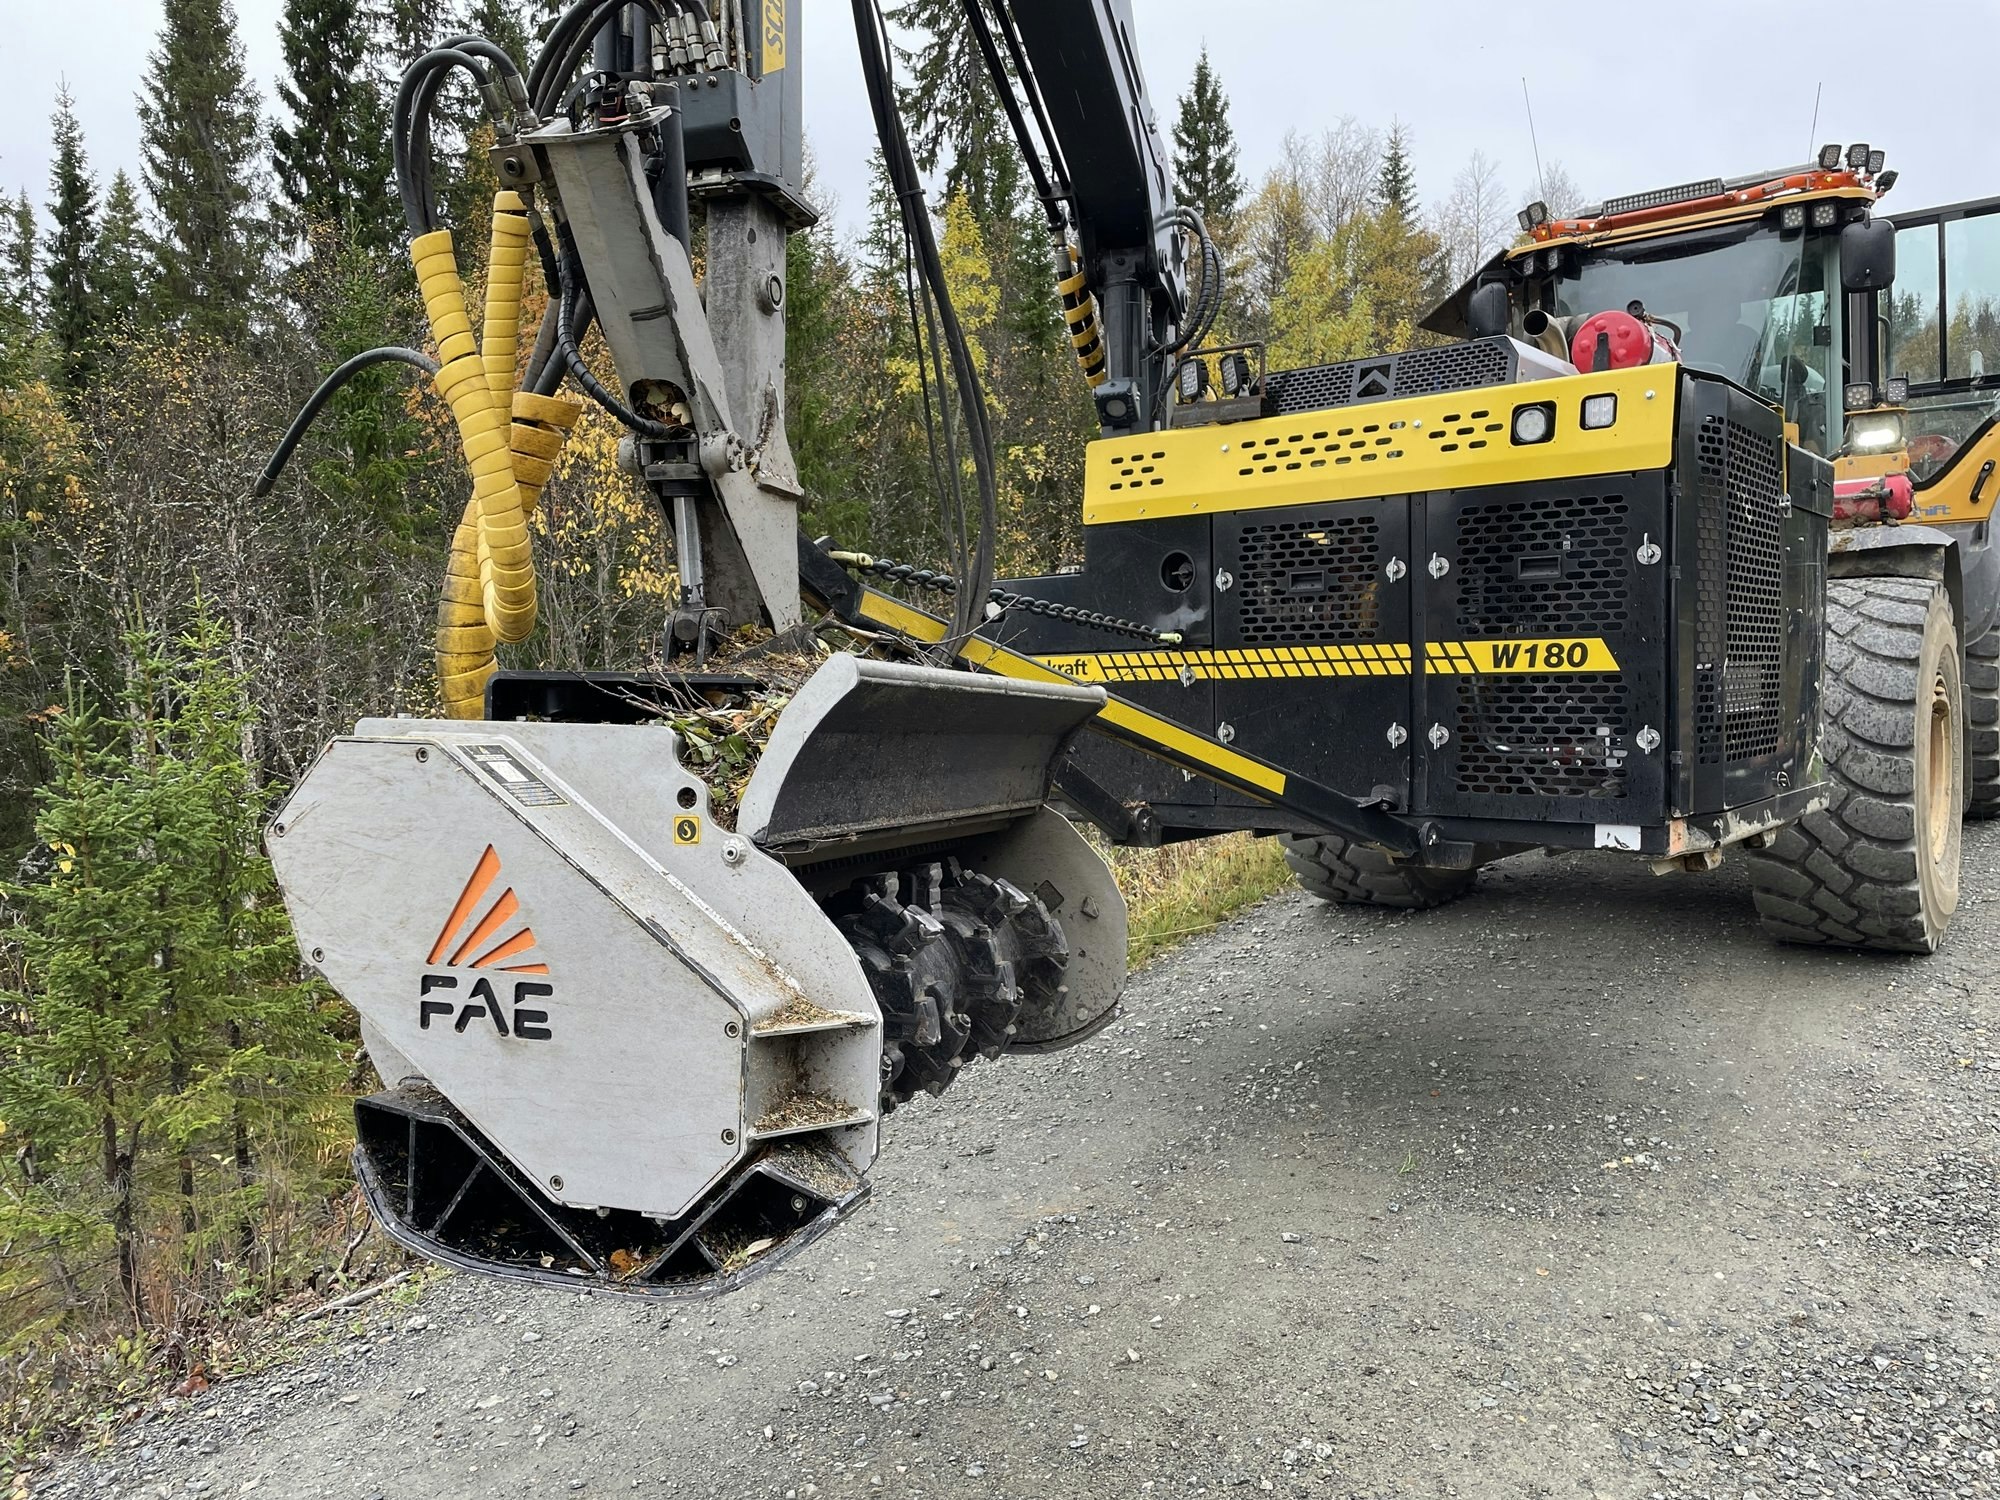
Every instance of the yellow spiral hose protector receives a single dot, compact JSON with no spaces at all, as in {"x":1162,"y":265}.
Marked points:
{"x":1079,"y":306}
{"x":511,"y":442}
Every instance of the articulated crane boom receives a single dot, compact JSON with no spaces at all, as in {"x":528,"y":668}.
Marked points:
{"x":621,"y":1041}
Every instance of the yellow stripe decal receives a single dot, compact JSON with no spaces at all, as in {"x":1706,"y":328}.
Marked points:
{"x":1447,"y":658}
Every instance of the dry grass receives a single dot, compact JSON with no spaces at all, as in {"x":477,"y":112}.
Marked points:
{"x":1184,"y":889}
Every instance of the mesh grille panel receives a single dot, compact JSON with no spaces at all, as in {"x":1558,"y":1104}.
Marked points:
{"x":1752,"y":687}
{"x":1551,"y":735}
{"x":1306,"y":581}
{"x":1711,"y":628}
{"x":1419,"y":372}
{"x":1549,"y":566}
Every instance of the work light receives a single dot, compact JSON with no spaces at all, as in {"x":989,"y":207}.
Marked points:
{"x":1534,"y":424}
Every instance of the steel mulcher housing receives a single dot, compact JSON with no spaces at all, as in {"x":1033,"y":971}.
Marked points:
{"x":1610,"y":638}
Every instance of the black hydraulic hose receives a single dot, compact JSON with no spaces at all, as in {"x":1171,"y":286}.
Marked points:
{"x":410,"y":130}
{"x":309,"y":413}
{"x":569,"y":39}
{"x":1010,"y":32}
{"x":492,"y":51}
{"x":581,"y":373}
{"x":871,"y":32}
{"x":975,"y":12}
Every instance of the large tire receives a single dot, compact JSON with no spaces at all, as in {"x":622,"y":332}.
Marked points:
{"x":1982,"y":727}
{"x":1879,"y":867}
{"x":1350,"y":874}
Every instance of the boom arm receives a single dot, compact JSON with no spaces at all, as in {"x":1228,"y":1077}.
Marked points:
{"x":1109,"y":165}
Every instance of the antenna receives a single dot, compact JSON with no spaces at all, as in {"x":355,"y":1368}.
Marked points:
{"x":1812,"y":144}
{"x":1541,"y":180}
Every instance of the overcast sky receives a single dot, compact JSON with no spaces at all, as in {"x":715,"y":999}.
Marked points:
{"x":1626,"y":96}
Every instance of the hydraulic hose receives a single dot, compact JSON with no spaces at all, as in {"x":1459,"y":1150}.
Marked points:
{"x":309,"y":413}
{"x":506,"y":567}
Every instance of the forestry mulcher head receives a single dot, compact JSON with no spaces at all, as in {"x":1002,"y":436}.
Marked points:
{"x":625,"y":1046}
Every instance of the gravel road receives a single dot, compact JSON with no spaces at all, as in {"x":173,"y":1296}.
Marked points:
{"x":1577,"y":1189}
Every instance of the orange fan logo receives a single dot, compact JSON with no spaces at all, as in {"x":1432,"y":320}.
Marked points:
{"x":488,"y":944}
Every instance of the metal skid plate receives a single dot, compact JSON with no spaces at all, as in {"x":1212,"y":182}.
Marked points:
{"x":543,"y":921}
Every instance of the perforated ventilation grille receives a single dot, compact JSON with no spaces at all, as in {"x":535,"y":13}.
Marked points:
{"x":1328,"y":447}
{"x":1419,"y":372}
{"x":1549,"y":566}
{"x":1136,"y":469}
{"x":1711,"y":621}
{"x":1543,"y":736}
{"x":1742,"y":486}
{"x":1753,"y":695}
{"x":1308,"y":581}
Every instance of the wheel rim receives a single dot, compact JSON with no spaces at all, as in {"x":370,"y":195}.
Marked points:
{"x":1941,"y":749}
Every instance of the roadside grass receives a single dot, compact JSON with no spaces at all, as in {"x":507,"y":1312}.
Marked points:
{"x":1183,"y":890}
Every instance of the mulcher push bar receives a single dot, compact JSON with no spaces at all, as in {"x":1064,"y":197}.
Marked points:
{"x":831,"y":587}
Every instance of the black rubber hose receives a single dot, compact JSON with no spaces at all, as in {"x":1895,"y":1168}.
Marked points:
{"x":569,"y":39}
{"x":309,"y":413}
{"x":872,"y":36}
{"x":581,"y":373}
{"x":410,"y":132}
{"x":1003,"y":88}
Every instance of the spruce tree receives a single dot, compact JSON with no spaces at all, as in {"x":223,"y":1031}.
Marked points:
{"x":73,"y":315}
{"x":504,"y":23}
{"x":118,"y":273}
{"x":1206,"y":174}
{"x":20,"y":260}
{"x":328,"y":157}
{"x":163,"y":1034}
{"x":958,"y":121}
{"x":199,"y":151}
{"x":1396,"y":186}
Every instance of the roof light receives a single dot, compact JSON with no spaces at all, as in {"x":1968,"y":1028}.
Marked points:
{"x":1534,"y":216}
{"x":1829,"y":158}
{"x":1877,"y":160}
{"x":1793,"y":216}
{"x":1857,"y":156}
{"x":1687,"y":192}
{"x":1825,"y":215}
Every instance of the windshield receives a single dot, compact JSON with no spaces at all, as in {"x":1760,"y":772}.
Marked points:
{"x":1750,"y":305}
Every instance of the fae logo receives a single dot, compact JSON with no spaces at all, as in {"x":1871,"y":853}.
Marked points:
{"x":477,"y":936}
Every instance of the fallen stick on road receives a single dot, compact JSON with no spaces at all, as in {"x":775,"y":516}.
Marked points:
{"x":355,"y":1299}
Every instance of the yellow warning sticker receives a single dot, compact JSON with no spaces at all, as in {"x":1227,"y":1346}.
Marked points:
{"x":687,"y":831}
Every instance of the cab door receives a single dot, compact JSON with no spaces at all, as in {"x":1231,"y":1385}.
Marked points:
{"x":1939,"y":331}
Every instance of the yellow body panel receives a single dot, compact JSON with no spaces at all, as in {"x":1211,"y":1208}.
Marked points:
{"x":1871,"y":465}
{"x":1460,"y":440}
{"x":1948,"y":497}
